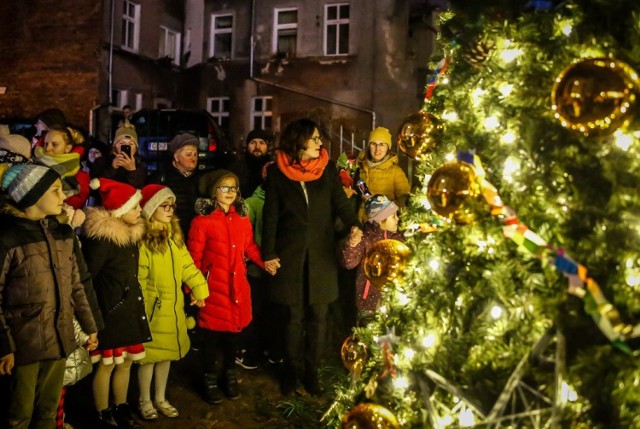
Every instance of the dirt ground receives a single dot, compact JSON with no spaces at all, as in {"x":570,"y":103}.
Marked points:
{"x":260,"y":406}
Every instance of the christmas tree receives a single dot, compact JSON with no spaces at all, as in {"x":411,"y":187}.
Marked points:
{"x":519,"y":303}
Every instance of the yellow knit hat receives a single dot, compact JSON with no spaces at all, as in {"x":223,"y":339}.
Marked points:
{"x":381,"y":134}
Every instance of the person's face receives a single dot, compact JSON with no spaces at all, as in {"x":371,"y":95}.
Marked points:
{"x":127,"y":113}
{"x":313,"y":147}
{"x":225,"y":199}
{"x":391,"y":223}
{"x":126,"y":142}
{"x":93,"y":154}
{"x":132,"y":216}
{"x":186,"y":158}
{"x":164,"y":212}
{"x":54,"y":143}
{"x":257,"y":147}
{"x":378,"y":150}
{"x":50,"y":203}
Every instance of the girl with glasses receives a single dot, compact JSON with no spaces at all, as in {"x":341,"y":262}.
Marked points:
{"x":220,"y":238}
{"x":164,"y":266}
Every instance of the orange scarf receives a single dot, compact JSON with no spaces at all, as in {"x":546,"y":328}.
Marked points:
{"x":304,"y":171}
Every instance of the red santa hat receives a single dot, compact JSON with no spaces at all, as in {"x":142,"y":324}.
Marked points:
{"x":117,"y":197}
{"x":152,"y":197}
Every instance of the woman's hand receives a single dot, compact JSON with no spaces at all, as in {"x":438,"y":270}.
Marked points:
{"x":271,"y":266}
{"x":6,"y":364}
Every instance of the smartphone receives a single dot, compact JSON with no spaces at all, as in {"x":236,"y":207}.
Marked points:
{"x":125,"y":148}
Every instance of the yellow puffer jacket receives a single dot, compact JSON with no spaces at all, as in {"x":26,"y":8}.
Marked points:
{"x":386,"y":178}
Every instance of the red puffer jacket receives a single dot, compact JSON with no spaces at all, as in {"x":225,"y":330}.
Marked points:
{"x":218,"y":243}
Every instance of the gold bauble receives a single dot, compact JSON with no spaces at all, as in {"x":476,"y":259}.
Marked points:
{"x":369,"y":416}
{"x":385,"y":261}
{"x":452,"y":191}
{"x":595,"y":95}
{"x":418,"y":134}
{"x":353,"y":354}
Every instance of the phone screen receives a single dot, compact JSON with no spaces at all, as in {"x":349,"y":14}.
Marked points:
{"x":125,"y":148}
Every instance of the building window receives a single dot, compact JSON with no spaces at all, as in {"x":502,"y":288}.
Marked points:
{"x":285,"y":31}
{"x":169,"y":45}
{"x":219,"y":109}
{"x":119,"y":98}
{"x":261,"y":113}
{"x":138,"y":101}
{"x":130,"y":25}
{"x":336,"y":29}
{"x":221,"y":44}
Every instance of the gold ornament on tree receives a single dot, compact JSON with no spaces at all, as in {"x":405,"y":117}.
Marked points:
{"x":453,"y":191}
{"x":385,"y":261}
{"x":354,"y":355}
{"x":595,"y":95}
{"x":369,"y":416}
{"x":418,"y":134}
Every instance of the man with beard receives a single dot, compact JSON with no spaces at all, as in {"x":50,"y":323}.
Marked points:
{"x":248,"y":167}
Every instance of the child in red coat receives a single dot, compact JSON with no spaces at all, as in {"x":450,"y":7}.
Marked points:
{"x":220,"y":238}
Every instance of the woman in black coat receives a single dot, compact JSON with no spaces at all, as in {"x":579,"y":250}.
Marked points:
{"x":303,"y":197}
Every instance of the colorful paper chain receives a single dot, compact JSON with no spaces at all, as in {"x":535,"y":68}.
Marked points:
{"x":604,"y":314}
{"x":440,"y":70}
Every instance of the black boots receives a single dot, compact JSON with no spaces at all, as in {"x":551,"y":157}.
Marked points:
{"x":106,"y":420}
{"x":123,"y":415}
{"x":231,"y":388}
{"x":212,"y":393}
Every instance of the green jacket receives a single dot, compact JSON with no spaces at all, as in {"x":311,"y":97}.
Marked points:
{"x":255,"y":203}
{"x":165,"y":264}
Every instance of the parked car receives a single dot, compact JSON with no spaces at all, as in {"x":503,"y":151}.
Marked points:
{"x":156,"y":127}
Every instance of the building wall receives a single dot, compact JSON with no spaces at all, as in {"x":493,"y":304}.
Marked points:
{"x":49,"y":56}
{"x":380,"y":78}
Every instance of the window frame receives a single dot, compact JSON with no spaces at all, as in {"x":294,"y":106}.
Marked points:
{"x":338,"y":22}
{"x":263,"y":114}
{"x":164,"y":32}
{"x":214,"y":32}
{"x":126,"y":19}
{"x":220,"y":114}
{"x":277,"y":27}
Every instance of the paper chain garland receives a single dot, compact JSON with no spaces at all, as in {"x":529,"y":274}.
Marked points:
{"x":604,"y":314}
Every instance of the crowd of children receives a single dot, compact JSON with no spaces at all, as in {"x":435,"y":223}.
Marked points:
{"x":113,"y":294}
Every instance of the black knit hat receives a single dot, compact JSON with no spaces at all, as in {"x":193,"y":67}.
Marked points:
{"x":259,"y":134}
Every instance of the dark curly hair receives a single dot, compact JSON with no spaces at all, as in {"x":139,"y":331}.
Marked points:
{"x":294,"y":138}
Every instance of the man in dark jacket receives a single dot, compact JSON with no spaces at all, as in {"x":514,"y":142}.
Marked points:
{"x":40,"y":292}
{"x":182,"y":177}
{"x":248,"y":167}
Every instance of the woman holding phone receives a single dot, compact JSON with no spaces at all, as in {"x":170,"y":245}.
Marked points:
{"x":122,"y":164}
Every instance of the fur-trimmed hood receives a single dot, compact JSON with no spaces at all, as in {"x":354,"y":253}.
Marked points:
{"x":100,"y":224}
{"x":156,"y":236}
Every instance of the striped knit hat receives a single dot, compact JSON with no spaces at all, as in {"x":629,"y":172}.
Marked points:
{"x":117,"y":197}
{"x":26,"y":183}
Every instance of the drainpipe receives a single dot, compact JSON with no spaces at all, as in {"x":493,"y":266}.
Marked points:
{"x":297,"y":90}
{"x":110,"y":77}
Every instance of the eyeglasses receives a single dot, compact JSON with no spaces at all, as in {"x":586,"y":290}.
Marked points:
{"x":228,"y":188}
{"x":169,"y":207}
{"x":317,"y":139}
